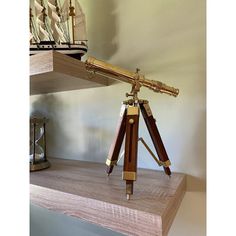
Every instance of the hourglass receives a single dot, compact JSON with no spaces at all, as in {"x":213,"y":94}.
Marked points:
{"x":38,"y":159}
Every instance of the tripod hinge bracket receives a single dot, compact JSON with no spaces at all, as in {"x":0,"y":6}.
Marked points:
{"x":129,"y":175}
{"x":165,"y":163}
{"x":111,"y":163}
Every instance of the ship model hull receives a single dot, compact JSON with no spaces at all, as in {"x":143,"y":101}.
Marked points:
{"x":72,"y":50}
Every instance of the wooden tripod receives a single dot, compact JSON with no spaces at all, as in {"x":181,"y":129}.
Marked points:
{"x":128,"y":124}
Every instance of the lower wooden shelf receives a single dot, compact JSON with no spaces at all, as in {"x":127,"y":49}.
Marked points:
{"x":83,"y":190}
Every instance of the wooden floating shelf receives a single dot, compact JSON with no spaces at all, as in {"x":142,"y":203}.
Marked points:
{"x":54,"y":72}
{"x":83,"y":190}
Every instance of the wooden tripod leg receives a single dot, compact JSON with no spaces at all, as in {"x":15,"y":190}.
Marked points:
{"x":155,"y":135}
{"x":117,"y":142}
{"x":131,"y":147}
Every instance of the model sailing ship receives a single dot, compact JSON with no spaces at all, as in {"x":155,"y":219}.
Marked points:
{"x":56,"y":26}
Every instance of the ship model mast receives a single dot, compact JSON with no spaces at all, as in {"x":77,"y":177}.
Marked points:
{"x":72,"y":15}
{"x":56,"y":27}
{"x":30,"y":26}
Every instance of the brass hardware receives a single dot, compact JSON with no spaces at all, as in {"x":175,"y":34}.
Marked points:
{"x":129,"y":175}
{"x":132,"y":110}
{"x":160,"y":163}
{"x":165,"y":163}
{"x":131,"y":121}
{"x":129,"y":102}
{"x":110,"y":163}
{"x":129,"y":188}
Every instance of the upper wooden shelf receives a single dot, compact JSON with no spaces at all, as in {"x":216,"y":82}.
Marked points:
{"x":82,"y":189}
{"x":54,"y":72}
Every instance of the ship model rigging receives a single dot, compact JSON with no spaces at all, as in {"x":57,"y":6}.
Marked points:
{"x":56,"y":26}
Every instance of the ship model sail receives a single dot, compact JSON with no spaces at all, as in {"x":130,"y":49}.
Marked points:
{"x":56,"y":26}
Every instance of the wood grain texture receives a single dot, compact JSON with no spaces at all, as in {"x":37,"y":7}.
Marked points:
{"x":54,"y":72}
{"x":131,"y":143}
{"x":118,"y":139}
{"x":82,"y":189}
{"x":155,"y":135}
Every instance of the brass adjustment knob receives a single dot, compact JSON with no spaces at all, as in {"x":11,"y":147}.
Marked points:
{"x":131,"y":121}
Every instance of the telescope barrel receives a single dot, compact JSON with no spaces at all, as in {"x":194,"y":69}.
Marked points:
{"x":108,"y":70}
{"x":160,"y":87}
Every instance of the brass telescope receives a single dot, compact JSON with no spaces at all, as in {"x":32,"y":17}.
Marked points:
{"x":128,"y":123}
{"x":117,"y":73}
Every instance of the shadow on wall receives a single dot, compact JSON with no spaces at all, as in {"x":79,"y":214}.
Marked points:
{"x":97,"y":143}
{"x":48,"y":106}
{"x":196,"y":184}
{"x":102,"y":18}
{"x":198,"y":165}
{"x":77,"y":135}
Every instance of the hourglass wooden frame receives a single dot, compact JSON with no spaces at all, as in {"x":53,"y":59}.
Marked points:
{"x":43,"y":163}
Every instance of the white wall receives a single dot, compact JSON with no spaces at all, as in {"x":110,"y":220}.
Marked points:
{"x":166,"y":40}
